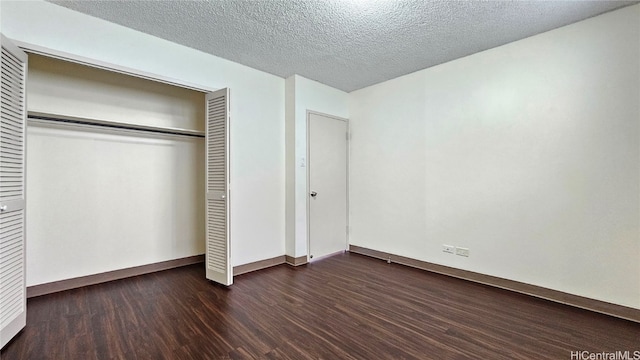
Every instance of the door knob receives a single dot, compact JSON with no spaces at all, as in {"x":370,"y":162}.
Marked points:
{"x":3,"y":208}
{"x":313,"y":194}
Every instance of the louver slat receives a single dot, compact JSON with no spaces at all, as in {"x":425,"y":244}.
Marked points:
{"x":217,"y":149}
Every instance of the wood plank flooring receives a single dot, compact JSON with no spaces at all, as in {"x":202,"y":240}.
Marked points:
{"x":344,"y":307}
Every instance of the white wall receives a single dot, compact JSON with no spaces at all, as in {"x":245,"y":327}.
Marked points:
{"x":97,"y":199}
{"x":257,"y":112}
{"x":306,"y":95}
{"x":528,"y":154}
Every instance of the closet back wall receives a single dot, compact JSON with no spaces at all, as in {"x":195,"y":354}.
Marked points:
{"x":62,"y":87}
{"x":101,"y":200}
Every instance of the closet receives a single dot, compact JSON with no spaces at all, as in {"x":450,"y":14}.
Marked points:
{"x":115,"y":171}
{"x":121,"y":172}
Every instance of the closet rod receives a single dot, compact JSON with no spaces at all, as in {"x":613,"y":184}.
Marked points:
{"x":71,"y":120}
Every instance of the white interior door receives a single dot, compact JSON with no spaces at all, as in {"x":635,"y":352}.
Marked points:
{"x":13,"y":299}
{"x":327,"y":198}
{"x":218,"y":249}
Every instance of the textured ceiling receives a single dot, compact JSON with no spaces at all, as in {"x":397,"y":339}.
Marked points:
{"x":347,"y":44}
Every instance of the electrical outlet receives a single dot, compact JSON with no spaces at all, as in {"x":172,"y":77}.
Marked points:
{"x":462,"y":251}
{"x":448,"y":248}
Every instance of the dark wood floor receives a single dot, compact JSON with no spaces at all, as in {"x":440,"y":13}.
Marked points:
{"x":344,"y":307}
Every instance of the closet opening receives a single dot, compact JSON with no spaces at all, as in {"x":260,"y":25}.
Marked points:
{"x":116,"y":172}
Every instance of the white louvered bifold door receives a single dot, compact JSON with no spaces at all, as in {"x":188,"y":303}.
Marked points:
{"x":13,"y":299}
{"x":218,"y":252}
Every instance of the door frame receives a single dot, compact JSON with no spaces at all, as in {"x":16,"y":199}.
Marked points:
{"x":308,"y":203}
